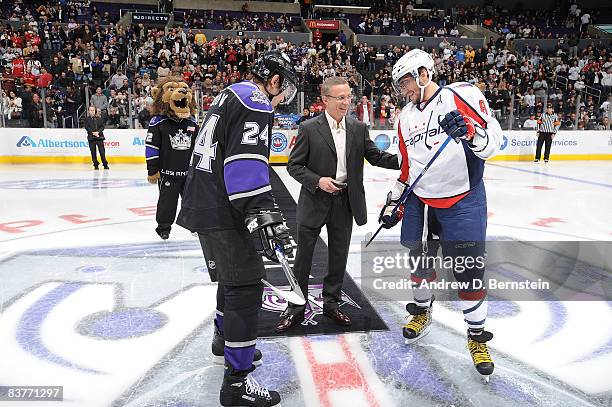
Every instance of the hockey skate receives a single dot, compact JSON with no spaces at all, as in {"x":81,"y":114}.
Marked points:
{"x":477,"y":345}
{"x":218,"y":349}
{"x":239,"y":389}
{"x":419,"y":324}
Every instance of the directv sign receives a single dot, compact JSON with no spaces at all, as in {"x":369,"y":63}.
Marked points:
{"x":150,"y":18}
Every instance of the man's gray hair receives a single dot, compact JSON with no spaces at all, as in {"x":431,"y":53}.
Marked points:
{"x":330,"y":82}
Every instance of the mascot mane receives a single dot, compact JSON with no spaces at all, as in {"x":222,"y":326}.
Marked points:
{"x":173,"y":97}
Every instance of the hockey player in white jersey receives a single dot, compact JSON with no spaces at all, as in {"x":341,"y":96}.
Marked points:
{"x":448,"y":205}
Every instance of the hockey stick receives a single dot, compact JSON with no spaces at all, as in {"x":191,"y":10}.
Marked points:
{"x":295,"y":295}
{"x":407,"y":192}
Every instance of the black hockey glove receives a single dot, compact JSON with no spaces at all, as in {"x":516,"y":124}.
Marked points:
{"x":267,"y":227}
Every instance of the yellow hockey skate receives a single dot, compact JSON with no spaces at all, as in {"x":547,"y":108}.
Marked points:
{"x":419,"y":324}
{"x":477,"y":345}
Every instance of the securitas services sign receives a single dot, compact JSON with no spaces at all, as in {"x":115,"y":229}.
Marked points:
{"x":150,"y":18}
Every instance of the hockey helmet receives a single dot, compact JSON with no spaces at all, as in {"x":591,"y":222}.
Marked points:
{"x":276,"y":62}
{"x":409,"y":64}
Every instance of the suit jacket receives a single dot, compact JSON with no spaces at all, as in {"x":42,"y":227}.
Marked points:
{"x":314,"y":157}
{"x":94,"y":124}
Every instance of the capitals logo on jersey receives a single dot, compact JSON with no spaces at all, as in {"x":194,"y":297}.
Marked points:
{"x":180,"y":141}
{"x":460,"y":167}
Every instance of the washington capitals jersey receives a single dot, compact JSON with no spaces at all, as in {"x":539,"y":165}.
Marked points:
{"x":169,"y":145}
{"x":229,"y":172}
{"x":458,"y":168}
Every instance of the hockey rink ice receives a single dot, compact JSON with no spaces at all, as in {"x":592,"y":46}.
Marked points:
{"x":92,"y":300}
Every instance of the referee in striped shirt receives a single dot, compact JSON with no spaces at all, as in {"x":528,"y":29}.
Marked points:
{"x":548,"y":125}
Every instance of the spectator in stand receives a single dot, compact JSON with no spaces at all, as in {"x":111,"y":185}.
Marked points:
{"x":305,"y":116}
{"x":363,"y":111}
{"x":118,"y":78}
{"x":99,"y":101}
{"x":13,"y":106}
{"x":45,"y":79}
{"x":163,"y":70}
{"x":27,"y":97}
{"x":97,"y":71}
{"x":529,"y":101}
{"x":318,"y":106}
{"x":35,"y":116}
{"x":144,"y":116}
{"x":531,"y":123}
{"x":540,"y":88}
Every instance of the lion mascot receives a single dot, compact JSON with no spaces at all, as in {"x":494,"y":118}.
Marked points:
{"x":169,"y":144}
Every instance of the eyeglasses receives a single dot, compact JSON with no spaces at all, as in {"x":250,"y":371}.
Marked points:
{"x":348,"y":98}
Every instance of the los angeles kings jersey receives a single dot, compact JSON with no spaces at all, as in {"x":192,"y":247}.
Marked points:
{"x":169,"y":144}
{"x":229,"y":172}
{"x":458,"y":168}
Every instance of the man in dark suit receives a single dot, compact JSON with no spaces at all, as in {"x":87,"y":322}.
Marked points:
{"x":94,"y":125}
{"x":328,"y":161}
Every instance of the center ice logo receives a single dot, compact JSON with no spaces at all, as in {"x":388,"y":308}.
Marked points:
{"x":79,"y":332}
{"x":273,"y":303}
{"x":26,"y":141}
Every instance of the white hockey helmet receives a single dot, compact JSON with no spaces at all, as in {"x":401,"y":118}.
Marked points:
{"x":409,"y":64}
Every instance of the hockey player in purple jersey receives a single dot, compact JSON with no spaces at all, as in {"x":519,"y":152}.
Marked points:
{"x":229,"y":203}
{"x":448,"y":205}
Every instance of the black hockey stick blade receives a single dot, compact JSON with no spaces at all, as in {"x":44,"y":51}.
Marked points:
{"x":374,"y":235}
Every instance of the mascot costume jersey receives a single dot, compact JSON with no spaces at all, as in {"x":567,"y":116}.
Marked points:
{"x":169,"y":144}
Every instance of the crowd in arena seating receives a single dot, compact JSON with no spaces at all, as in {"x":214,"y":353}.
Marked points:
{"x":524,"y":81}
{"x":396,"y":19}
{"x":402,"y":18}
{"x":53,"y":65}
{"x":41,"y":12}
{"x":237,"y":21}
{"x":537,"y":23}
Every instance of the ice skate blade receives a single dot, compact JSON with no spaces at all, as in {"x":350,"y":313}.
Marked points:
{"x":486,"y":378}
{"x":220,"y":360}
{"x":408,"y":341}
{"x":276,"y":405}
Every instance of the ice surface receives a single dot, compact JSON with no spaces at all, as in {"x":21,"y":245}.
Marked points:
{"x":92,"y":300}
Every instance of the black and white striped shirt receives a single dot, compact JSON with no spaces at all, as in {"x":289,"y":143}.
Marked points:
{"x":547,"y":123}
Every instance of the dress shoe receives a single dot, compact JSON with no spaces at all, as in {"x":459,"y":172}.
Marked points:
{"x":337,"y":316}
{"x":289,"y":320}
